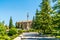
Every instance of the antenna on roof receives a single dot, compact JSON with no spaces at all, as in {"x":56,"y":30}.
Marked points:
{"x":27,"y":16}
{"x":27,"y":21}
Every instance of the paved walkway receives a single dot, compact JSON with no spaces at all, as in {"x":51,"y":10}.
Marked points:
{"x":22,"y":36}
{"x":36,"y":37}
{"x":17,"y":38}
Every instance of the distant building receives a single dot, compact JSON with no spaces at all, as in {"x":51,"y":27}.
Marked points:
{"x":24,"y":24}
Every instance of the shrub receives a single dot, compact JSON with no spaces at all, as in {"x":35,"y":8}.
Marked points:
{"x":12,"y":31}
{"x":57,"y":36}
{"x":20,"y":31}
{"x":5,"y":37}
{"x":2,"y":29}
{"x":56,"y":33}
{"x":14,"y":36}
{"x":33,"y":30}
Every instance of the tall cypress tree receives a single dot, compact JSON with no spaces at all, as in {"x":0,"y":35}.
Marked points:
{"x":35,"y":22}
{"x":10,"y":23}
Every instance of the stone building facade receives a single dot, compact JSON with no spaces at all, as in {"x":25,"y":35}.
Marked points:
{"x":24,"y":24}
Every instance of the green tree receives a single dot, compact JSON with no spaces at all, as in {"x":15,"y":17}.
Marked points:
{"x":43,"y":19}
{"x":56,"y":8}
{"x":3,"y":34}
{"x":45,"y":16}
{"x":35,"y":22}
{"x":2,"y":29}
{"x":10,"y":23}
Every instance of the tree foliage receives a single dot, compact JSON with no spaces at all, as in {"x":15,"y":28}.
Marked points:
{"x":48,"y":18}
{"x":10,"y":23}
{"x":12,"y":31}
{"x":56,"y":20}
{"x":2,"y":29}
{"x":43,"y":18}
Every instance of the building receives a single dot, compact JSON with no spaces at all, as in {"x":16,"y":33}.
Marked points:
{"x":24,"y":24}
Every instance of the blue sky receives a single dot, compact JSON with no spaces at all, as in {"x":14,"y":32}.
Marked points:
{"x":17,"y":9}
